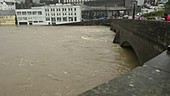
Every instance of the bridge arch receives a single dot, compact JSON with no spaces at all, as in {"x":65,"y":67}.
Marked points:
{"x":126,"y":44}
{"x":147,"y":38}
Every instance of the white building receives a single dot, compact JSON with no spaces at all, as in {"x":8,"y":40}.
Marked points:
{"x":31,"y":17}
{"x":50,"y":15}
{"x":7,"y":5}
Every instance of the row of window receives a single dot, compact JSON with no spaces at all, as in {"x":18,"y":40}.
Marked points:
{"x":29,"y":18}
{"x":5,"y":17}
{"x":59,"y":14}
{"x":40,"y":13}
{"x":30,"y":13}
{"x":53,"y":19}
{"x":35,"y":21}
{"x":59,"y":9}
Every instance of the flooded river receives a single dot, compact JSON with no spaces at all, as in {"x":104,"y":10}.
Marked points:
{"x":59,"y":60}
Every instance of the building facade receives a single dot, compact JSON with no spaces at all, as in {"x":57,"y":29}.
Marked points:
{"x":7,"y":17}
{"x":152,"y":2}
{"x":31,"y":17}
{"x":49,"y":15}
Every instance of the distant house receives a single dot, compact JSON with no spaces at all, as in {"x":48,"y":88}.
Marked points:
{"x":7,"y":5}
{"x":7,"y":17}
{"x":49,"y":15}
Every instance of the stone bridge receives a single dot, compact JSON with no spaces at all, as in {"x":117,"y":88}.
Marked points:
{"x":147,"y":38}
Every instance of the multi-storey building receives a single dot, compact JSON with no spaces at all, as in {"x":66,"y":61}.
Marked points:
{"x":7,"y":5}
{"x":49,"y":15}
{"x":31,"y":16}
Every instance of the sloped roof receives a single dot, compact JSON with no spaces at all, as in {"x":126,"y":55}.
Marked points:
{"x":8,"y":0}
{"x":7,"y":12}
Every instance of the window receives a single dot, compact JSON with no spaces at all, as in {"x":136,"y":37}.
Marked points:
{"x":35,"y":21}
{"x":59,"y":19}
{"x":53,"y":19}
{"x":18,"y":13}
{"x":29,"y":18}
{"x":19,"y":18}
{"x":40,"y":21}
{"x":70,"y":18}
{"x":46,"y":9}
{"x":23,"y":13}
{"x":24,"y":18}
{"x":75,"y":18}
{"x":52,"y":14}
{"x":47,"y":19}
{"x":75,"y":13}
{"x":58,"y":14}
{"x":39,"y":13}
{"x":74,"y":9}
{"x":34,"y":13}
{"x":64,"y":18}
{"x":29,"y":13}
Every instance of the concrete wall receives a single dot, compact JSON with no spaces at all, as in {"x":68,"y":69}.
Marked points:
{"x":147,"y":38}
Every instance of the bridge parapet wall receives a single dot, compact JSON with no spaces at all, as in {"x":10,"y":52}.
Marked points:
{"x":147,"y":38}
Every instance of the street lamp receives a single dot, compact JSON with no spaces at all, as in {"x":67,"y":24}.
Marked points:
{"x":134,"y":8}
{"x":106,"y":8}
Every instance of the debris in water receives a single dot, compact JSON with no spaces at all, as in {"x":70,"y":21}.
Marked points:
{"x":21,"y":62}
{"x":53,"y":77}
{"x":93,"y":75}
{"x":65,"y":72}
{"x":131,"y":85}
{"x":44,"y":94}
{"x":58,"y":94}
{"x":69,"y":93}
{"x":28,"y":85}
{"x":30,"y":64}
{"x":157,"y":70}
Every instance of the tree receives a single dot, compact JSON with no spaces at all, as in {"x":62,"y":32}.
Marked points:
{"x":167,"y":7}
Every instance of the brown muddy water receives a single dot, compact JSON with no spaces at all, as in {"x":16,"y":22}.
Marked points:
{"x":59,"y":60}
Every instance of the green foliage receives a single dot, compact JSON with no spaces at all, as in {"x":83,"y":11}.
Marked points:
{"x":154,"y":14}
{"x":167,"y":7}
{"x":168,"y":3}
